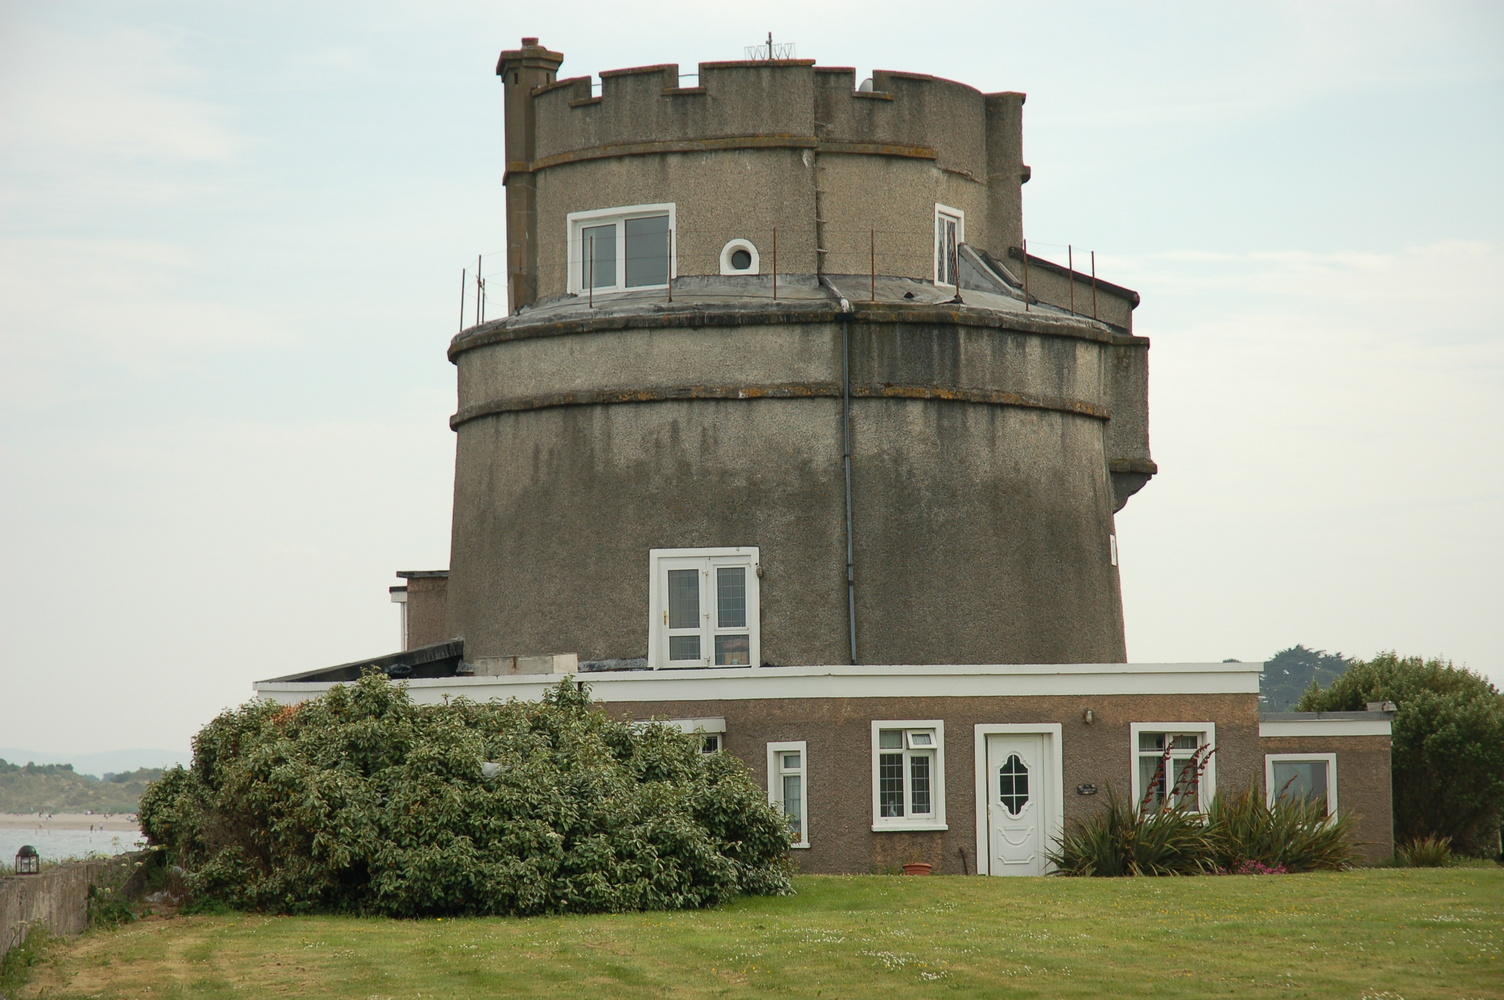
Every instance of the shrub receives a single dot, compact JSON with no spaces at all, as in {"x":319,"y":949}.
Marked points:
{"x":1426,"y":852}
{"x":1239,"y":834}
{"x":1120,"y":840}
{"x":360,"y":801}
{"x":1247,"y":836}
{"x":1448,"y":752}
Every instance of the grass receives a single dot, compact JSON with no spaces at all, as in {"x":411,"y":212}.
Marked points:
{"x":1380,"y":934}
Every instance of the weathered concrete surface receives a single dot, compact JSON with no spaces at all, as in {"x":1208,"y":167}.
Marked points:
{"x":57,"y":898}
{"x":982,"y":498}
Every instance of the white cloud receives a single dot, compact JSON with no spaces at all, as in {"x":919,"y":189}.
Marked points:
{"x":118,"y":96}
{"x":69,"y":304}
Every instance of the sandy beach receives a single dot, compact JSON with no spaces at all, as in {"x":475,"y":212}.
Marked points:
{"x":111,"y":823}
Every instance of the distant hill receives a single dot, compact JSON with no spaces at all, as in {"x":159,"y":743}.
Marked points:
{"x":29,"y":788}
{"x":98,"y":764}
{"x":1289,"y":672}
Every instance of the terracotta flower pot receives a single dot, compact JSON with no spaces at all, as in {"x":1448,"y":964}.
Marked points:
{"x":916,"y":868}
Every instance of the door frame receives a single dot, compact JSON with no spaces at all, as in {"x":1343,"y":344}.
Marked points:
{"x":1054,"y":818}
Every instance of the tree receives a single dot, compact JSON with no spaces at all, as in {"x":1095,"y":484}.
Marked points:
{"x":1289,"y":673}
{"x":1448,"y":750}
{"x":360,"y":801}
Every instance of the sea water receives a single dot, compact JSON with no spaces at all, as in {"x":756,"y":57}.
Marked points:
{"x":57,"y":845}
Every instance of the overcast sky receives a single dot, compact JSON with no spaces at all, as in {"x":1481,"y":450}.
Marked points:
{"x":231,"y":237}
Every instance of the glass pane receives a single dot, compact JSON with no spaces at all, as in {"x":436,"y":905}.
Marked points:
{"x":733,"y":651}
{"x":890,"y":784}
{"x":793,"y":801}
{"x":1187,"y":741}
{"x":1300,"y":779}
{"x":922,"y":738}
{"x":890,"y":739}
{"x":1151,"y":741}
{"x":684,"y":599}
{"x":647,"y":251}
{"x":945,"y":249}
{"x":731,"y":596}
{"x":1013,"y":785}
{"x":683,"y":647}
{"x":919,"y":784}
{"x":1151,"y":780}
{"x":791,"y":761}
{"x":1187,"y":782}
{"x":598,"y":248}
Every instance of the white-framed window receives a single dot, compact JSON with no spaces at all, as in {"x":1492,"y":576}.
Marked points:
{"x":1173,"y":764}
{"x":1301,"y":776}
{"x":703,"y":608}
{"x":615,"y":249}
{"x":950,"y":233}
{"x":908,"y":775}
{"x":740,"y":257}
{"x":788,"y":787}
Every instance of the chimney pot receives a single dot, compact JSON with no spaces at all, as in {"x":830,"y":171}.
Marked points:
{"x":529,"y":41}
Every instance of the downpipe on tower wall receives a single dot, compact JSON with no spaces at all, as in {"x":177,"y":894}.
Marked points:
{"x":846,"y":456}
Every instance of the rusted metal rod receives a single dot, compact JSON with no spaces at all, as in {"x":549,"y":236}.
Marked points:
{"x":1093,"y":284}
{"x":1070,"y":267}
{"x":1025,"y":250}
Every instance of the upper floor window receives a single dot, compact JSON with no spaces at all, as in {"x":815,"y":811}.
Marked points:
{"x":950,"y":233}
{"x":614,"y":249}
{"x":703,"y":608}
{"x":1173,"y":765}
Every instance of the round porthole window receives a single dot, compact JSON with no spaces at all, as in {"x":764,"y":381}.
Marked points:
{"x":740,"y":257}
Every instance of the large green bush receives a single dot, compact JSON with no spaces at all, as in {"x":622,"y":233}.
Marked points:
{"x":1448,"y":750}
{"x":361,"y":801}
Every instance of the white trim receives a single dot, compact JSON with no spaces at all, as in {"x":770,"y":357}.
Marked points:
{"x":1207,"y":788}
{"x":1331,"y":776}
{"x":1327,"y":727}
{"x":885,"y":824}
{"x":990,"y":680}
{"x":692,"y":726}
{"x":1056,"y":819}
{"x":708,"y":560}
{"x":775,"y":787}
{"x":960,"y":217}
{"x":739,"y":244}
{"x":573,"y":248}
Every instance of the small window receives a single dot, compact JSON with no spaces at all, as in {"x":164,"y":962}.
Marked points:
{"x":710,"y":742}
{"x":1173,"y":765}
{"x":1309,"y":777}
{"x":740,"y":257}
{"x":950,"y":233}
{"x":908,"y":776}
{"x":788,"y":787}
{"x":616,"y":249}
{"x":703,"y":608}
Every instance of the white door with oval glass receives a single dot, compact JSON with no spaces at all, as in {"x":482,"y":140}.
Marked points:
{"x":1018,"y":810}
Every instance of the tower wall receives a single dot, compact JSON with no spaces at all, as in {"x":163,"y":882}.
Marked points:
{"x":982,"y":507}
{"x":844,"y":175}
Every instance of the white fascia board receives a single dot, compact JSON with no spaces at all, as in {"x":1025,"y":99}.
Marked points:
{"x":842,"y":681}
{"x":1327,"y":727}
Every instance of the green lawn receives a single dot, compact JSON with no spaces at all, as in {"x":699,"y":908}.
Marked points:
{"x":1380,"y":933}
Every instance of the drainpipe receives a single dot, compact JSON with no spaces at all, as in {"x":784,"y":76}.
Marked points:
{"x":846,"y":456}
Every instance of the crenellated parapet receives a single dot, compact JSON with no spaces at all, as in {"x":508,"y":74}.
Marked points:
{"x":773,"y":103}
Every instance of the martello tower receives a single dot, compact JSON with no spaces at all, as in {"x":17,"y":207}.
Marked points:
{"x":780,"y":386}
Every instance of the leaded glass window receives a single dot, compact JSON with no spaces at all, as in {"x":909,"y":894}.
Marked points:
{"x":1013,"y":784}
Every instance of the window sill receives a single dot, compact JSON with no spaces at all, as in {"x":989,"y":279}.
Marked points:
{"x":798,"y":847}
{"x":901,"y":826}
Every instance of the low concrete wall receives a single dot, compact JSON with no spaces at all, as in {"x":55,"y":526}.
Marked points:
{"x":58,"y":898}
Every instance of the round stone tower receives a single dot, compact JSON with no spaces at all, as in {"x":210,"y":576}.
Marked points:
{"x":780,"y":384}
